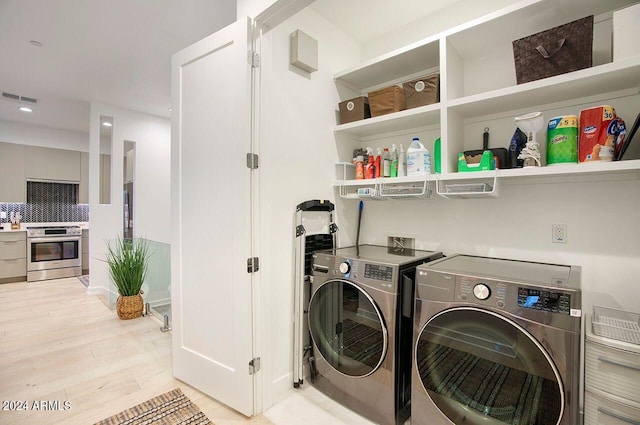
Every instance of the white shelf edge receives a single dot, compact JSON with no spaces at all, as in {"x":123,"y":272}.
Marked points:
{"x":370,"y":125}
{"x":387,"y":56}
{"x":585,"y":168}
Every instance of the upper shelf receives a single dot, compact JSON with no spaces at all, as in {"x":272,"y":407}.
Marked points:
{"x":619,"y":75}
{"x":473,"y":39}
{"x":422,"y":116}
{"x":393,"y":66}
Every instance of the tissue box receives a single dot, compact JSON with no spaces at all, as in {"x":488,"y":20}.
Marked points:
{"x":626,"y":32}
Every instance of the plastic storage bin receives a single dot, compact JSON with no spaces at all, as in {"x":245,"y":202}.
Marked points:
{"x":616,"y":324}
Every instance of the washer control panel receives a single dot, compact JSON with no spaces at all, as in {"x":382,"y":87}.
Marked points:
{"x":378,"y":272}
{"x":537,"y":299}
{"x":473,"y":289}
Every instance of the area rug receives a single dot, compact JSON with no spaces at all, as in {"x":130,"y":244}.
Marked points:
{"x":171,"y":408}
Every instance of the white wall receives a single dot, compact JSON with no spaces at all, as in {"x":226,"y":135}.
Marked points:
{"x":297,"y":153}
{"x":602,"y":220}
{"x":25,"y":134}
{"x":151,"y":184}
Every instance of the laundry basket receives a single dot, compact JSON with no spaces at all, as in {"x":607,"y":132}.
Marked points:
{"x":616,"y":324}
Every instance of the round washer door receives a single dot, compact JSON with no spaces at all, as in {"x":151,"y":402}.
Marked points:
{"x":479,"y":367}
{"x":347,"y":328}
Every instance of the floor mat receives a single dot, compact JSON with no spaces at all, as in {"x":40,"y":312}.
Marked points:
{"x":172,"y":407}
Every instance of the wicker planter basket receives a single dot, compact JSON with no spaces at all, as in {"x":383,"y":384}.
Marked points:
{"x":129,"y":307}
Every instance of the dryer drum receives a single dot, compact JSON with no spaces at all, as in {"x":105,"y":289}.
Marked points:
{"x":347,"y":328}
{"x":489,"y":367}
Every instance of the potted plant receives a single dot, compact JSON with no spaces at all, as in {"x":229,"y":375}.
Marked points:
{"x":128,"y":260}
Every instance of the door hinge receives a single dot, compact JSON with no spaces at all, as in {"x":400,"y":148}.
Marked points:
{"x":254,"y":365}
{"x":254,"y":59}
{"x":252,"y":160}
{"x":253,"y":264}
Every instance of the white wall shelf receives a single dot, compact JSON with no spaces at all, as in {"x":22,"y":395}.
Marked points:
{"x":409,"y":60}
{"x":478,"y":86}
{"x":420,"y":187}
{"x":597,"y":80}
{"x":423,"y":116}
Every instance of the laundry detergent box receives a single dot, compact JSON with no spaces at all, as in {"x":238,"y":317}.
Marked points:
{"x":595,"y":134}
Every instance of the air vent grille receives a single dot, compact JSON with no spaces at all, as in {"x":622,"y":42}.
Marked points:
{"x":10,"y":96}
{"x":16,"y":98}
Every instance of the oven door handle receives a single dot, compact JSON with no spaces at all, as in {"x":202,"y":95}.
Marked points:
{"x":55,"y":239}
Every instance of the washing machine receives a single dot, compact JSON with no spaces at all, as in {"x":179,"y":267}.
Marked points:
{"x":360,"y":321}
{"x":496,"y":342}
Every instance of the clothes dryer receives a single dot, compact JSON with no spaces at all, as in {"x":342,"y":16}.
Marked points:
{"x":496,"y":342}
{"x":360,"y":320}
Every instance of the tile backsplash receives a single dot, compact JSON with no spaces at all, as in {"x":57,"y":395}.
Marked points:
{"x":48,"y":202}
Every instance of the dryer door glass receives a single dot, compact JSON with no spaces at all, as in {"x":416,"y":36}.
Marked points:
{"x":347,"y":328}
{"x":479,"y":367}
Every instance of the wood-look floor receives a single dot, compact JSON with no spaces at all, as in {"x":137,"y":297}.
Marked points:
{"x":59,"y":344}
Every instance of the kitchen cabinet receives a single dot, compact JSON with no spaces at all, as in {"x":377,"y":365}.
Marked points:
{"x":85,"y":251}
{"x":52,"y":164}
{"x":13,"y":187}
{"x":478,"y":89}
{"x":83,"y":189}
{"x":612,"y":371}
{"x":13,"y":256}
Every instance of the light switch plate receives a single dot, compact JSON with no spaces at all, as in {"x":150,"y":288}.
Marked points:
{"x":3,"y":214}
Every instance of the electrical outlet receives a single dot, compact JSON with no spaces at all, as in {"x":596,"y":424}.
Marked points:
{"x":400,"y":243}
{"x":3,"y":214}
{"x":559,"y":233}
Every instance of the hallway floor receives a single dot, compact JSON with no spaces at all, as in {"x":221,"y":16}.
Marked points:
{"x":59,"y":344}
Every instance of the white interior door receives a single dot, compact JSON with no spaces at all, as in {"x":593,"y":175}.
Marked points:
{"x":211,"y":215}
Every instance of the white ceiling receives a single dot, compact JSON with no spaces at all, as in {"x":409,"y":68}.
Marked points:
{"x":116,"y":52}
{"x":366,"y":20}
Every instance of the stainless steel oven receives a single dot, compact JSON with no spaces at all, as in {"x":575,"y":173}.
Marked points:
{"x":53,"y":252}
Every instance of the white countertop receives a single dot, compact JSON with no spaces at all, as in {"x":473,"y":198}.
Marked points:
{"x":6,"y":227}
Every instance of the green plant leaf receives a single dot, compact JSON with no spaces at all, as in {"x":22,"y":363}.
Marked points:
{"x":128,"y":260}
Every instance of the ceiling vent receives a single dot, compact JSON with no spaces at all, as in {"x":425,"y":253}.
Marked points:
{"x":19,"y":99}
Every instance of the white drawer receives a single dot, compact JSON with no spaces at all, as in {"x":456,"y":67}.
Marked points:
{"x":612,"y":370}
{"x":10,"y":249}
{"x":13,"y":236}
{"x":602,"y":410}
{"x":13,"y":268}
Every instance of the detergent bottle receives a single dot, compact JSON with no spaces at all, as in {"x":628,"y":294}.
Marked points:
{"x":418,"y":159}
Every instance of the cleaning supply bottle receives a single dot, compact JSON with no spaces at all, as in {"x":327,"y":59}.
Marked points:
{"x":386,"y":163}
{"x":379,"y":163}
{"x":359,"y":167}
{"x":402,"y":156}
{"x":418,"y":159}
{"x":437,"y":156}
{"x":394,"y":161}
{"x":370,"y":168}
